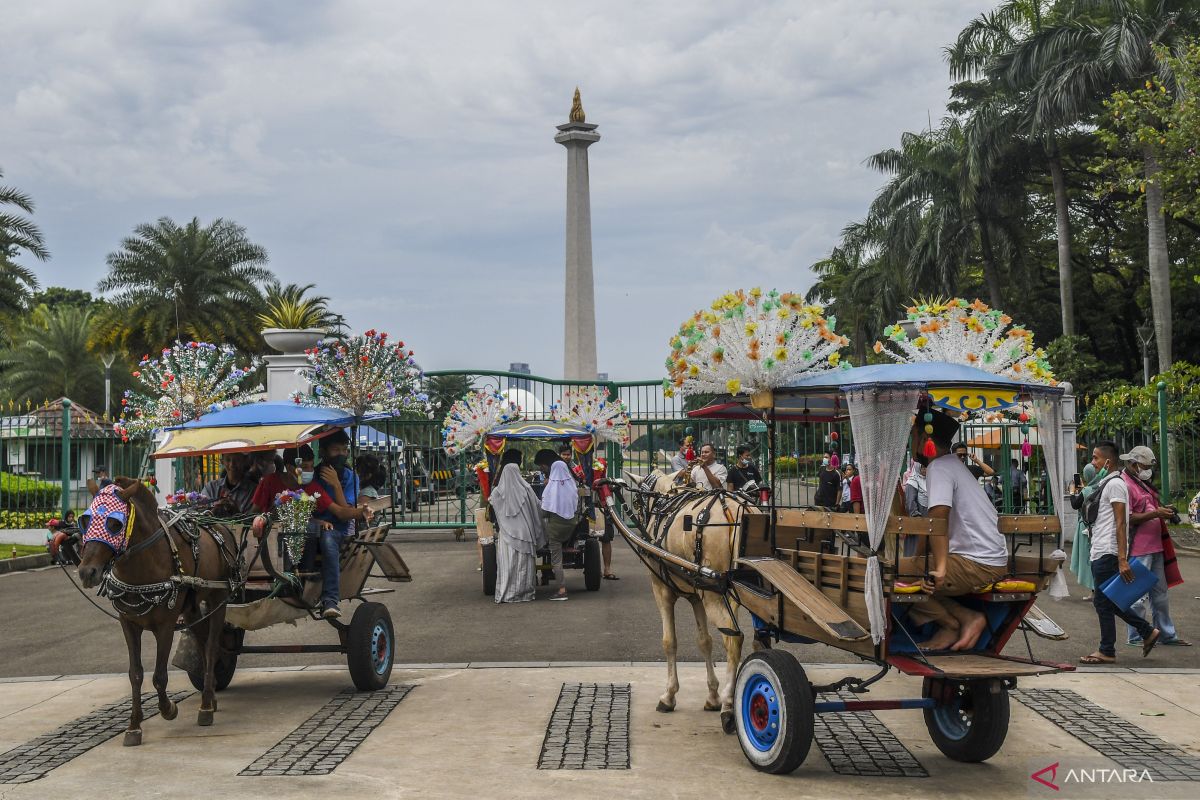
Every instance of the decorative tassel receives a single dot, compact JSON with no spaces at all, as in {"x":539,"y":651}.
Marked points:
{"x":1026,"y":449}
{"x":834,"y":461}
{"x":929,"y":450}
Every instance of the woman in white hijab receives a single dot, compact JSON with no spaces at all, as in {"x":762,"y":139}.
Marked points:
{"x":560,"y":510}
{"x":519,"y":536}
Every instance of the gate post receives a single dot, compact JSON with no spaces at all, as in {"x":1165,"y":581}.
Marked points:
{"x":66,"y":457}
{"x":1069,"y":438}
{"x":1164,"y":451}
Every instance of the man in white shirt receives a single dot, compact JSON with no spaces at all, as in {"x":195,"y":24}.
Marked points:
{"x":1110,"y":556}
{"x":974,"y":552}
{"x":708,"y":474}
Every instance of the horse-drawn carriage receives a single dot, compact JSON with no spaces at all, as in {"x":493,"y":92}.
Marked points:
{"x":582,"y":550}
{"x":810,"y":575}
{"x":184,"y":567}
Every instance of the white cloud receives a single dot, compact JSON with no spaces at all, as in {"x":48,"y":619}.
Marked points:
{"x":401,"y":155}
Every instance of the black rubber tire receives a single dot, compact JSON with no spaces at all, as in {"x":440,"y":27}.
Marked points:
{"x":796,"y":715}
{"x":592,"y":566}
{"x":230,"y":644}
{"x":362,"y":649}
{"x":972,"y":725}
{"x":489,"y":569}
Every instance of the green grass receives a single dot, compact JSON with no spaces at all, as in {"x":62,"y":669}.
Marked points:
{"x":6,"y":550}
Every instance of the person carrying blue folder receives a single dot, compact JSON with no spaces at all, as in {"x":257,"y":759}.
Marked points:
{"x":1110,"y":556}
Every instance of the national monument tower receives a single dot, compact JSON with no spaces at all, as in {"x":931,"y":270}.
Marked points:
{"x":579,"y":349}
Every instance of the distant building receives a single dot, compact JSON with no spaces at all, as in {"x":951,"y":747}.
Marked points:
{"x":519,"y":383}
{"x":601,"y":377}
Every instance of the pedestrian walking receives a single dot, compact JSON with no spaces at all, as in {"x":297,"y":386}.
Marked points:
{"x":1110,"y":548}
{"x":560,"y":515}
{"x":1081,"y":545}
{"x":1148,"y":518}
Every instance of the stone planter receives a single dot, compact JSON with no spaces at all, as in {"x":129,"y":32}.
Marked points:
{"x":292,"y":340}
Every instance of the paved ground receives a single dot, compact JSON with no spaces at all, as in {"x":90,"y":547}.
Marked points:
{"x":442,"y":616}
{"x":523,"y":732}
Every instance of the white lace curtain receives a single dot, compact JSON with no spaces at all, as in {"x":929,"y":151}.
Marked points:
{"x":1048,"y":408}
{"x":881,"y":419}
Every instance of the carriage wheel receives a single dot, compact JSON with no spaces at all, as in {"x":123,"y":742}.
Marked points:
{"x":370,"y":646}
{"x":773,"y":711}
{"x":592,"y":565}
{"x":970,"y":721}
{"x":489,"y":569}
{"x":230,"y":646}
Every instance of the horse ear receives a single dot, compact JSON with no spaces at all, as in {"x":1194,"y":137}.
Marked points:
{"x":129,"y":488}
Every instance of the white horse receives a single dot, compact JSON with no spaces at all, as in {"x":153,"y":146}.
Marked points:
{"x":713,"y":518}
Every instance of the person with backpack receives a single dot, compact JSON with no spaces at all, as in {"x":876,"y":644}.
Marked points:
{"x":1106,"y":513}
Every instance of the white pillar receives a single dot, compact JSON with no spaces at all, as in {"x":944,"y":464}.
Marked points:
{"x":1069,"y":457}
{"x":579,"y":350}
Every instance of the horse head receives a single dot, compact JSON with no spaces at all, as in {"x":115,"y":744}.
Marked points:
{"x":118,"y":515}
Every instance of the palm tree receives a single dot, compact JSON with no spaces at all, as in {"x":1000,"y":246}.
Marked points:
{"x":51,"y":357}
{"x":288,"y":307}
{"x":1068,"y":67}
{"x":17,"y":233}
{"x":190,"y":282}
{"x":444,"y":391}
{"x":996,"y":121}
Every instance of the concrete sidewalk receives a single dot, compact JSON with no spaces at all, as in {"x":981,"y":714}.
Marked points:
{"x":480,"y":732}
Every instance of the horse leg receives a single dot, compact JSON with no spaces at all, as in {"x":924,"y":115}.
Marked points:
{"x":704,"y":640}
{"x":133,"y":643}
{"x":164,"y":636}
{"x":733,"y":657}
{"x":208,"y":701}
{"x":665,"y":599}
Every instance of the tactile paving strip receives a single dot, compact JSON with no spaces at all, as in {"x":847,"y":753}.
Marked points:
{"x":589,"y":728}
{"x":860,"y":744}
{"x":1111,"y":736}
{"x":328,"y":737}
{"x":35,"y":758}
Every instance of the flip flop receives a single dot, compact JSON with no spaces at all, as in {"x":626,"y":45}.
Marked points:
{"x":1095,"y":658}
{"x":560,"y":597}
{"x":1176,"y":642}
{"x":1148,"y":643}
{"x":611,"y":577}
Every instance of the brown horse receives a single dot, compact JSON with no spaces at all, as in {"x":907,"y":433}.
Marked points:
{"x":713,"y":517}
{"x":156,"y":573}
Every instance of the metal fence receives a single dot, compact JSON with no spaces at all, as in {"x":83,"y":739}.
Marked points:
{"x":47,"y":455}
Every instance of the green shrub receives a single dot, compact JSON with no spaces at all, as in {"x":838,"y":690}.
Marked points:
{"x":21,"y":493}
{"x":25,"y":519}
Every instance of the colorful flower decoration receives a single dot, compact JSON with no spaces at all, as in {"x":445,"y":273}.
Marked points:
{"x":749,"y":341}
{"x":473,"y":417}
{"x":363,"y":374}
{"x":185,"y":382}
{"x":589,"y":407}
{"x":959,"y":332}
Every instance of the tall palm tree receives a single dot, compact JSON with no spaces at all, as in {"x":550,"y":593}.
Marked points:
{"x":178,"y":282}
{"x":973,"y":54}
{"x":51,"y":357}
{"x":17,"y":233}
{"x":1069,"y":66}
{"x":444,"y":391}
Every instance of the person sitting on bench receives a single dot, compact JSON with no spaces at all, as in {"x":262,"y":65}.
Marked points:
{"x":972,"y":555}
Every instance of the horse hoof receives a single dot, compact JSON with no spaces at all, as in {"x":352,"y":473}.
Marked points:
{"x":204,"y":718}
{"x":132,"y":738}
{"x":727,"y":724}
{"x":663,"y":708}
{"x":170,"y":712}
{"x":712,"y":706}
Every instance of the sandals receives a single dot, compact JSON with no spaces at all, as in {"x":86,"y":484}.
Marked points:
{"x":1176,"y":642}
{"x":611,"y":577}
{"x":1150,"y":641}
{"x":559,"y":597}
{"x":1097,"y":658}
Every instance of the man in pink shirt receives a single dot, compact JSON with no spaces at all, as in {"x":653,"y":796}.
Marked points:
{"x":1148,"y":518}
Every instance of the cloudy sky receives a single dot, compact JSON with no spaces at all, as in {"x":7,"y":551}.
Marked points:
{"x":400,"y":155}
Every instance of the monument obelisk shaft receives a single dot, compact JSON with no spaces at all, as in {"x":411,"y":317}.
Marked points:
{"x":579,"y":351}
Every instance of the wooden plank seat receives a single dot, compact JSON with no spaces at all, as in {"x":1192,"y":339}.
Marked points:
{"x":814,"y":604}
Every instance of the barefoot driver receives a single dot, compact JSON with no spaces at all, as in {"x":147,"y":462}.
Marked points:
{"x":972,"y":555}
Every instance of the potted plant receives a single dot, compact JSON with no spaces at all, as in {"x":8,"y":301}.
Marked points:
{"x":292,"y":323}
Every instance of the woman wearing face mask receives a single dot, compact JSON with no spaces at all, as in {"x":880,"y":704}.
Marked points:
{"x":1081,"y":545}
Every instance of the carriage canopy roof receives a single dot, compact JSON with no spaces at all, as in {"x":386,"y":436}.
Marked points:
{"x":252,"y":427}
{"x":819,"y":397}
{"x":538,"y":429}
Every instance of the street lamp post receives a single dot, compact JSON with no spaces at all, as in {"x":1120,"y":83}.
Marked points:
{"x":107,"y":359}
{"x":1145,"y":334}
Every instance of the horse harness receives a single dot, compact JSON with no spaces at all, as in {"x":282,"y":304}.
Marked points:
{"x":660,"y":512}
{"x":140,"y":599}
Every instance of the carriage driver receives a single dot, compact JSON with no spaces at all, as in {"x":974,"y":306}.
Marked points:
{"x":972,"y":555}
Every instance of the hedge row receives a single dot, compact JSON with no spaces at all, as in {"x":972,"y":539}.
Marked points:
{"x":21,"y":493}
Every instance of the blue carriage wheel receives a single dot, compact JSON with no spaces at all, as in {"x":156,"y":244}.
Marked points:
{"x":760,"y":713}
